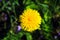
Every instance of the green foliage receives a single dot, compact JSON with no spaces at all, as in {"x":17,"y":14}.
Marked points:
{"x":13,"y":36}
{"x":29,"y":36}
{"x":47,"y":8}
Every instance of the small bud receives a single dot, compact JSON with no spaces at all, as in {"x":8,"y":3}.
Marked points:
{"x":19,"y":28}
{"x":55,"y":37}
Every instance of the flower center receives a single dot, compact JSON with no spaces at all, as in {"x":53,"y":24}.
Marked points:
{"x":29,"y":19}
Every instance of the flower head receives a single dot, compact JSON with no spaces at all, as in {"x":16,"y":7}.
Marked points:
{"x":30,"y":20}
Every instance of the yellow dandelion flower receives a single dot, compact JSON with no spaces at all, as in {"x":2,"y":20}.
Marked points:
{"x":30,"y":20}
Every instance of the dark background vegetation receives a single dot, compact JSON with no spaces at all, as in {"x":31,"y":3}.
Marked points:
{"x":50,"y":13}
